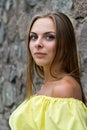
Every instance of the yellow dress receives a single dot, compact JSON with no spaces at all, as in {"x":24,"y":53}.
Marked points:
{"x":48,"y":113}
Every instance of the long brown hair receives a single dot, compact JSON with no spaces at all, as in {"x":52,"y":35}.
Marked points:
{"x":66,"y":50}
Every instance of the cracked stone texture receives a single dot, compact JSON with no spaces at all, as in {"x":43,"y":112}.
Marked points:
{"x":14,"y":22}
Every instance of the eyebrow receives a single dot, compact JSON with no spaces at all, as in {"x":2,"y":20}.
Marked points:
{"x":43,"y":33}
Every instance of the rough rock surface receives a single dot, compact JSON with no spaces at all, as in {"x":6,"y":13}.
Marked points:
{"x":15,"y":16}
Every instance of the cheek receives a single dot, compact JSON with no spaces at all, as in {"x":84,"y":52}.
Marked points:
{"x":30,"y":47}
{"x":30,"y":50}
{"x":53,"y":49}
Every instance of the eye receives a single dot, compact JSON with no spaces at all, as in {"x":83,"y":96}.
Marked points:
{"x":33,"y":37}
{"x":50,"y":37}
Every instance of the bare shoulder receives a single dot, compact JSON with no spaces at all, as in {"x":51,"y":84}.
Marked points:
{"x":68,"y":87}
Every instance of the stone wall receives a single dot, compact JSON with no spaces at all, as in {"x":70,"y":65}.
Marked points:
{"x":15,"y":16}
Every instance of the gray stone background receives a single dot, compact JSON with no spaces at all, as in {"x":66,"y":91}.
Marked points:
{"x":15,"y":16}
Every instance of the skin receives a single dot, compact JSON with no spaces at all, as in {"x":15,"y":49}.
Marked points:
{"x":43,"y":41}
{"x":43,"y":47}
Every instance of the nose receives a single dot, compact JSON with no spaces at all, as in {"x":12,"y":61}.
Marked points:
{"x":39,"y":43}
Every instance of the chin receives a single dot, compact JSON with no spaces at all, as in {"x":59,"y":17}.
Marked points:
{"x":39,"y":64}
{"x":42,"y":63}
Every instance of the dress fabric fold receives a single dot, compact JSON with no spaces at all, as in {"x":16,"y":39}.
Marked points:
{"x":49,"y":113}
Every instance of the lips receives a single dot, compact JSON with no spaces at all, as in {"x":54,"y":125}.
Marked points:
{"x":39,"y":54}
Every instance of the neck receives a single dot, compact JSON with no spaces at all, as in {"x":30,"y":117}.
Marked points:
{"x":54,"y":76}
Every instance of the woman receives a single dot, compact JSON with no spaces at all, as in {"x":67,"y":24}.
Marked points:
{"x":52,"y":54}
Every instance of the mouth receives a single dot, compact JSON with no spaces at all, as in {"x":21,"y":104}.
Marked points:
{"x":39,"y":54}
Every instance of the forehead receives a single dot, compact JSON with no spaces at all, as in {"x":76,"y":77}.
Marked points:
{"x":43,"y":24}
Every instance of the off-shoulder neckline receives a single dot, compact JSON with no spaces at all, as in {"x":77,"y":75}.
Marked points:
{"x":55,"y":98}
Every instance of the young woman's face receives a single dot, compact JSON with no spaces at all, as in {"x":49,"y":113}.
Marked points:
{"x":43,"y":41}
